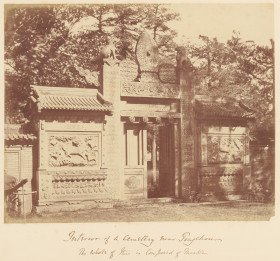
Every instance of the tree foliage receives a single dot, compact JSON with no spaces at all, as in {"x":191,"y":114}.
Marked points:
{"x":238,"y":69}
{"x":59,"y":45}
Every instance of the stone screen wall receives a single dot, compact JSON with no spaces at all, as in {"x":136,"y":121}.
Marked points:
{"x":71,"y":162}
{"x":222,"y":160}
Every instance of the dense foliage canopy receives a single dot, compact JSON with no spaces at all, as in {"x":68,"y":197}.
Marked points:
{"x":238,"y":69}
{"x":59,"y":45}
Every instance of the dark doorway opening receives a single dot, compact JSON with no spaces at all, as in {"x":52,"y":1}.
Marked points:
{"x":160,"y":161}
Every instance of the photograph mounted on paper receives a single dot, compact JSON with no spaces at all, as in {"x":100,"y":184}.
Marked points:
{"x":139,"y":112}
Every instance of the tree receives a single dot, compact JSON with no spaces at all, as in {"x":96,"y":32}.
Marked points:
{"x":127,"y":21}
{"x":157,"y":20}
{"x":59,"y":45}
{"x":238,"y":69}
{"x":25,"y":29}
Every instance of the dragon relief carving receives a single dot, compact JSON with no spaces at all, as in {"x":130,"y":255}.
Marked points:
{"x":225,"y":149}
{"x":73,"y":150}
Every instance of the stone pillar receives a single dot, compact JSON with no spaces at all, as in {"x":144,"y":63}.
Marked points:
{"x":178,"y":183}
{"x":247,"y":169}
{"x":154,"y":160}
{"x":114,"y":129}
{"x":188,"y":166}
{"x":144,"y":161}
{"x":44,"y":181}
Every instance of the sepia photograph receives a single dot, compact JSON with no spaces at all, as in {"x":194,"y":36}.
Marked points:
{"x":138,"y":112}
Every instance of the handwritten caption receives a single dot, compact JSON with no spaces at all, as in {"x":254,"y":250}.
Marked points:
{"x":114,"y":246}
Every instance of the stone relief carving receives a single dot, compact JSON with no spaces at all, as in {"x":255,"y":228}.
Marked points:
{"x":213,"y":149}
{"x":167,"y":73}
{"x":222,"y":179}
{"x":77,"y":174}
{"x":45,"y":191}
{"x":225,"y":149}
{"x":150,"y":90}
{"x":78,"y":187}
{"x":73,"y":150}
{"x":133,"y":182}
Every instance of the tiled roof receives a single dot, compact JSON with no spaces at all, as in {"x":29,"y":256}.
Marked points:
{"x":15,"y":133}
{"x":64,"y":98}
{"x":228,"y":109}
{"x":20,"y":137}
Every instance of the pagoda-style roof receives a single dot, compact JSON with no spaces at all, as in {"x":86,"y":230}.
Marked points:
{"x":65,"y":98}
{"x":221,"y":108}
{"x":14,"y":133}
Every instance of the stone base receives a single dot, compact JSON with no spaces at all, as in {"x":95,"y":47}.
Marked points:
{"x":67,"y":207}
{"x":141,"y":202}
{"x":221,"y":197}
{"x":57,"y":207}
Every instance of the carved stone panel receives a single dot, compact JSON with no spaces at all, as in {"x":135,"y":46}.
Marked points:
{"x":78,"y":189}
{"x":222,"y":179}
{"x":45,"y":188}
{"x":167,"y":73}
{"x":150,"y":89}
{"x":213,"y":149}
{"x":70,"y":150}
{"x":134,"y":182}
{"x":225,"y":149}
{"x":72,"y":185}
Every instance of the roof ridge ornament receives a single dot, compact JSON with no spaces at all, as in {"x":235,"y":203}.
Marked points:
{"x":184,"y":65}
{"x":147,"y":54}
{"x":109,"y":50}
{"x":108,"y":53}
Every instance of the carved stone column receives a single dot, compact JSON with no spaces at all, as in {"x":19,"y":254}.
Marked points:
{"x":44,"y":181}
{"x":177,"y":159}
{"x":114,"y":128}
{"x":154,"y":159}
{"x":188,"y":166}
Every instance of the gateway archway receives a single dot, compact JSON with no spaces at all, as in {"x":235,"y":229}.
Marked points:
{"x":151,"y":166}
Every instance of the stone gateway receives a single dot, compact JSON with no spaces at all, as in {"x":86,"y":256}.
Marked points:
{"x":143,"y":134}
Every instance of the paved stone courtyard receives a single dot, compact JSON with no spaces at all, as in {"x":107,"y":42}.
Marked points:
{"x":219,"y":211}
